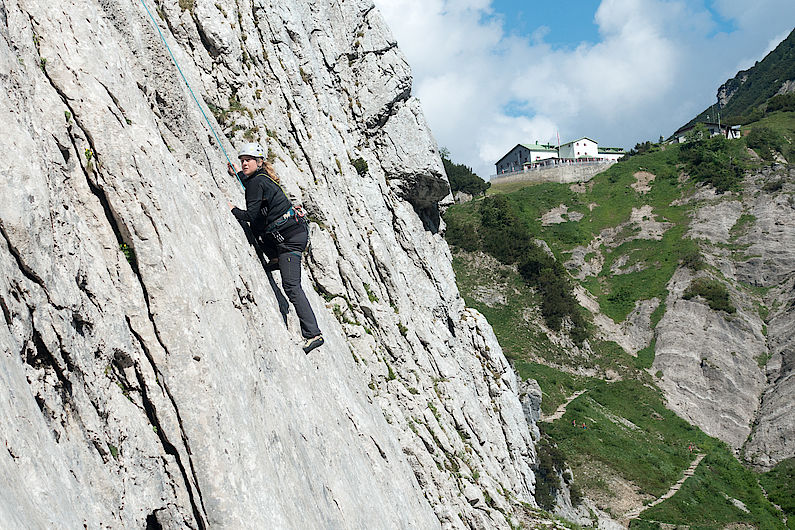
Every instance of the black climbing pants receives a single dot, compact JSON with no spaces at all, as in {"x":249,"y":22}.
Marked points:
{"x":290,"y":268}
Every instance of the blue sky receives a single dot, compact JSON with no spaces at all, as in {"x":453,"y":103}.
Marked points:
{"x":564,"y":27}
{"x":494,"y":73}
{"x":574,"y":23}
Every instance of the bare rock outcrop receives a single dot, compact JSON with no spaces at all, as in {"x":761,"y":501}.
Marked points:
{"x":728,"y":89}
{"x":148,"y":377}
{"x":708,"y":362}
{"x":732,"y":374}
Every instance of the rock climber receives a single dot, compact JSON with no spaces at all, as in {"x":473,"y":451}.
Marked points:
{"x":272,"y":218}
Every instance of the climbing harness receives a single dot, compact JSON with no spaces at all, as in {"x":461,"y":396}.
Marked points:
{"x":294,"y":217}
{"x":143,"y":3}
{"x":295,"y":212}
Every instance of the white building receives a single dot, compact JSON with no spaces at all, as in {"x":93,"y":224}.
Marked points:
{"x":525,"y":157}
{"x":582,"y":148}
{"x":612,"y":154}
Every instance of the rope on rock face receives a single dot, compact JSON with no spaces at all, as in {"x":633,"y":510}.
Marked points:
{"x":143,"y":3}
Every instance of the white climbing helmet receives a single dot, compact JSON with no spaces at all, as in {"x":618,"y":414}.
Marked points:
{"x":252,"y":149}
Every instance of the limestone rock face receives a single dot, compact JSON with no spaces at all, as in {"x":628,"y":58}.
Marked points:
{"x":708,"y":361}
{"x":147,"y":375}
{"x":530,"y":395}
{"x":732,"y":374}
{"x":728,"y":89}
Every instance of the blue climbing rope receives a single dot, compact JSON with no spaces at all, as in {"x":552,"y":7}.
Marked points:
{"x":189,"y":88}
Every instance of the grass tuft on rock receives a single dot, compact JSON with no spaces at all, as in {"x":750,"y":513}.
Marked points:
{"x":712,"y":291}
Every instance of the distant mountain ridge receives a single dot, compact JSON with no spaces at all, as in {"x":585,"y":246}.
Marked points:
{"x":740,"y":98}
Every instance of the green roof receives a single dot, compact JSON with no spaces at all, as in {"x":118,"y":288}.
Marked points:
{"x":538,"y":147}
{"x":611,"y":150}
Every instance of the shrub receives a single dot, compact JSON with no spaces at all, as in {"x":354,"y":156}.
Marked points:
{"x":783,"y":102}
{"x":548,"y":276}
{"x":773,"y":185}
{"x":750,"y":116}
{"x":507,"y":238}
{"x":550,"y":463}
{"x":692,"y":260}
{"x":713,"y":291}
{"x":711,"y":161}
{"x":503,"y":235}
{"x":462,"y":234}
{"x":360,"y":164}
{"x":765,"y":141}
{"x":576,"y":495}
{"x":643,"y":147}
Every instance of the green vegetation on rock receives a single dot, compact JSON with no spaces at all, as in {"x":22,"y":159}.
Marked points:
{"x":495,"y":228}
{"x":555,"y":385}
{"x":629,"y":431}
{"x":767,"y":142}
{"x":712,"y":291}
{"x":551,"y":465}
{"x":715,"y":161}
{"x":781,"y":102}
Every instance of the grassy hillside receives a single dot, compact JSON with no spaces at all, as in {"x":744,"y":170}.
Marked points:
{"x":779,"y":484}
{"x":627,"y":227}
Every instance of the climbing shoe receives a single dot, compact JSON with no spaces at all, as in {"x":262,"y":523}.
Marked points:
{"x":313,"y":343}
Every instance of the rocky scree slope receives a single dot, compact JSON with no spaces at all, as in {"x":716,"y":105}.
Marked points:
{"x":161,"y":386}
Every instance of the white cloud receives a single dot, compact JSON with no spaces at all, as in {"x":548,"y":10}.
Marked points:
{"x":658,"y":63}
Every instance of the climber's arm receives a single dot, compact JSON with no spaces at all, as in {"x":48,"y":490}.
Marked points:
{"x":255,"y":193}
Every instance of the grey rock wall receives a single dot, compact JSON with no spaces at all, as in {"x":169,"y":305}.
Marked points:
{"x":163,"y":386}
{"x":708,"y":361}
{"x":732,"y":374}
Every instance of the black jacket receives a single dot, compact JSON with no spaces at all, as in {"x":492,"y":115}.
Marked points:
{"x":265,"y":201}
